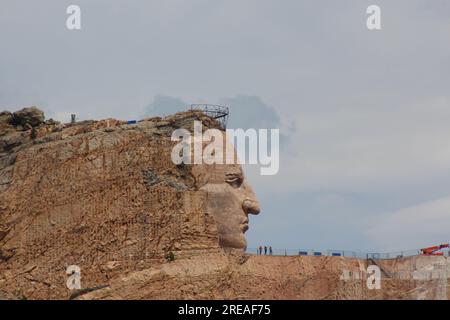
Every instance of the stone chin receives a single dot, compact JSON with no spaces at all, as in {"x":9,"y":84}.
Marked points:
{"x":234,"y":241}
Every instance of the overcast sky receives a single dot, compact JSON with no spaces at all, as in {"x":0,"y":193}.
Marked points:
{"x":365,"y":115}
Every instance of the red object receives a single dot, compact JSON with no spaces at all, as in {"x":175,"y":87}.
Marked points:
{"x":431,"y":251}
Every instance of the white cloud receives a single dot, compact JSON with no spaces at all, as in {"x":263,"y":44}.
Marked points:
{"x":415,"y":227}
{"x":361,"y":149}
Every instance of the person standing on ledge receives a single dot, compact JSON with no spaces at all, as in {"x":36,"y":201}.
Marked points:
{"x":270,"y":250}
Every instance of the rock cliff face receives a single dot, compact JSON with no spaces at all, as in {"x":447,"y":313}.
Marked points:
{"x":106,"y":197}
{"x":102,"y":195}
{"x":228,"y":276}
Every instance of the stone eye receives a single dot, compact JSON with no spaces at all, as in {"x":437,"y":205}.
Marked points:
{"x":234,"y":180}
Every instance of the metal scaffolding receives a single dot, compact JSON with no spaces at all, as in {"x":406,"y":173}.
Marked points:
{"x":217,"y":112}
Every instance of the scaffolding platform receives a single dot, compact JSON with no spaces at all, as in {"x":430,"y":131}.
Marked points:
{"x":214,"y":111}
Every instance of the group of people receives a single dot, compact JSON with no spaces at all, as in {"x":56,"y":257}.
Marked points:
{"x":267,"y":249}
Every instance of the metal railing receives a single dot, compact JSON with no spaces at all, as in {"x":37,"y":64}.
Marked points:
{"x":338,"y":253}
{"x":214,"y":111}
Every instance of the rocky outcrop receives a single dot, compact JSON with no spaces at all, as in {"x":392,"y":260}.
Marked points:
{"x":103,"y":195}
{"x":106,"y":197}
{"x":5,"y":117}
{"x":233,"y":276}
{"x":27,"y":118}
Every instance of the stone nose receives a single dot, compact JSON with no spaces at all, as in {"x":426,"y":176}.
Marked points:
{"x":251,"y":207}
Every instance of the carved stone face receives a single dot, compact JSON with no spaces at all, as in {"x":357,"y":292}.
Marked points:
{"x":230,"y":199}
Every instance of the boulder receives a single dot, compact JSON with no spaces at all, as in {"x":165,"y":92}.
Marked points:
{"x":26,"y":117}
{"x":11,"y":140}
{"x":5,"y":117}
